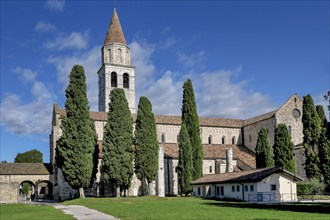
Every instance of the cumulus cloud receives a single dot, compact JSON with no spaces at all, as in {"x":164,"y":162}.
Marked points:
{"x":90,"y":60}
{"x":43,"y":26}
{"x":27,"y":118}
{"x":55,"y":5}
{"x":190,"y":60}
{"x":74,"y":40}
{"x":25,"y":75}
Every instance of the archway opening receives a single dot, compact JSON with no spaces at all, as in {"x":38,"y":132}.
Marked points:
{"x":45,"y":190}
{"x":27,"y":191}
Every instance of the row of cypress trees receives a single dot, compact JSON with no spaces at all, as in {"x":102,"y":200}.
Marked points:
{"x":76,"y":147}
{"x":316,"y":142}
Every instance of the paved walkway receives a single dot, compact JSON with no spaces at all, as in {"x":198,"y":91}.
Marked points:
{"x":82,"y":213}
{"x":77,"y":211}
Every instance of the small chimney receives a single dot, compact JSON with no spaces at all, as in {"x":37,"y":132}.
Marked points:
{"x":229,"y":160}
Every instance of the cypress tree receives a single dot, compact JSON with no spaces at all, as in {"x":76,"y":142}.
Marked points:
{"x":118,"y":143}
{"x":264,"y":152}
{"x":283,"y":149}
{"x":76,"y":146}
{"x":191,"y":120}
{"x":324,"y":155}
{"x":146,"y":144}
{"x":311,"y":131}
{"x":185,"y":166}
{"x":322,"y":117}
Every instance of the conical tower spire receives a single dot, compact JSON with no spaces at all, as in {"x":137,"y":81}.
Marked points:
{"x":115,"y":33}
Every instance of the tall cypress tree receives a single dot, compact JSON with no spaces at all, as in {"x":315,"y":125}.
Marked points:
{"x":146,"y":144}
{"x":324,"y":155}
{"x":118,"y":142}
{"x":185,"y":166}
{"x":322,"y":117}
{"x":264,"y":152}
{"x":76,"y":146}
{"x":311,"y":131}
{"x":191,"y":120}
{"x":283,"y":149}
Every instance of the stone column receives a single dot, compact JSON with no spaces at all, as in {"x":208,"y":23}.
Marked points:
{"x":161,"y":173}
{"x":229,"y":160}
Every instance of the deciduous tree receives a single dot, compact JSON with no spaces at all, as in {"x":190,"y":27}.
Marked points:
{"x":32,"y":156}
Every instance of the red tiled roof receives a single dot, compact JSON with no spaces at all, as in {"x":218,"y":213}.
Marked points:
{"x":242,"y":176}
{"x":215,"y":151}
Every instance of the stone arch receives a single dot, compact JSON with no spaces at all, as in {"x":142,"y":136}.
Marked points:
{"x":25,"y":193}
{"x":45,"y":189}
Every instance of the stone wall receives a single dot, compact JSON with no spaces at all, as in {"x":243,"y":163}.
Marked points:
{"x":9,"y":192}
{"x":217,"y":133}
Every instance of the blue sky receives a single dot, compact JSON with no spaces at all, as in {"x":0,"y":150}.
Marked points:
{"x":244,"y":57}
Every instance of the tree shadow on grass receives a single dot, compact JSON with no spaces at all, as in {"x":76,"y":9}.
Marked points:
{"x":293,"y":207}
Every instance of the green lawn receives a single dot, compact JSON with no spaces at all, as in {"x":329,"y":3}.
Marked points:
{"x":195,"y":208}
{"x":33,"y":212}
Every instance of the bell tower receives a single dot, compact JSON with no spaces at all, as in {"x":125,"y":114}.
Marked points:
{"x":116,"y":70}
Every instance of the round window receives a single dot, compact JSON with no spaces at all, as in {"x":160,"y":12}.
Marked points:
{"x":296,"y":113}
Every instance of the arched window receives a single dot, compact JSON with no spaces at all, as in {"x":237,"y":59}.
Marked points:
{"x":290,"y":129}
{"x":163,"y":138}
{"x":113,"y":79}
{"x":127,"y":58}
{"x":119,"y":56}
{"x":109,"y":54}
{"x":250,"y":138}
{"x":233,"y":140}
{"x":210,"y":169}
{"x":178,"y":138}
{"x":126,"y":80}
{"x":210,"y":139}
{"x":223,"y":140}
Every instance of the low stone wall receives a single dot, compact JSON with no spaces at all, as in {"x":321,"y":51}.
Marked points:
{"x":9,"y":192}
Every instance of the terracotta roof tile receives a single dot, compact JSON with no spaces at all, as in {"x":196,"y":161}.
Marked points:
{"x":216,"y":151}
{"x":25,"y":168}
{"x":115,"y":32}
{"x":243,"y":176}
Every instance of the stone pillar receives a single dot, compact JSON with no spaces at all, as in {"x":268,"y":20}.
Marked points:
{"x":161,"y":173}
{"x":229,"y":160}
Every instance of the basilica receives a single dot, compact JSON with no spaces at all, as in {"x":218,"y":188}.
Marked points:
{"x":218,"y":135}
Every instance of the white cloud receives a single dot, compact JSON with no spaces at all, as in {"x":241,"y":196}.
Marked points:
{"x":55,"y":5}
{"x":27,"y":118}
{"x":42,"y":26}
{"x":320,"y":100}
{"x":75,"y":40}
{"x":169,"y":42}
{"x":90,"y":60}
{"x":190,"y":60}
{"x":25,"y":75}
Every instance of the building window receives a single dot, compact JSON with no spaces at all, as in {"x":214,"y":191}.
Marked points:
{"x":209,"y":192}
{"x":250,"y":138}
{"x":113,"y":79}
{"x":273,"y":187}
{"x":221,"y":191}
{"x":210,"y":139}
{"x":109,"y":54}
{"x":199,"y":191}
{"x":251,"y":188}
{"x":218,"y":191}
{"x":290,"y":130}
{"x":119,"y":56}
{"x":246,"y":188}
{"x":233,"y":140}
{"x":237,"y":188}
{"x":178,"y":138}
{"x":233,"y":188}
{"x":163,"y":138}
{"x":126,"y":80}
{"x":223,"y":140}
{"x":210,"y":168}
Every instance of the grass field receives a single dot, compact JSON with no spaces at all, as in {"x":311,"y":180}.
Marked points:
{"x":195,"y":208}
{"x":33,"y":212}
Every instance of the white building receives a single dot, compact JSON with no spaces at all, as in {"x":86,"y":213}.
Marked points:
{"x":260,"y":185}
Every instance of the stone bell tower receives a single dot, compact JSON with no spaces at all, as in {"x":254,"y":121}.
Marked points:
{"x":116,"y":70}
